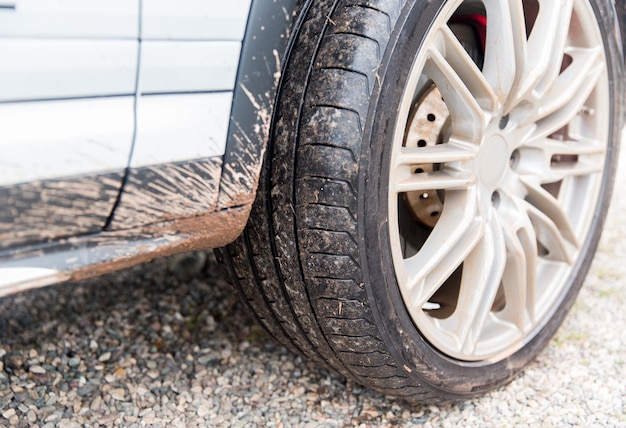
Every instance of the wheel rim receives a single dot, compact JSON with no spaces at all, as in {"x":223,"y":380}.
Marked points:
{"x":496,"y":170}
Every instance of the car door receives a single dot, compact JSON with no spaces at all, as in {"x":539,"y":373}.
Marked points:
{"x":68,"y":77}
{"x":188,"y":65}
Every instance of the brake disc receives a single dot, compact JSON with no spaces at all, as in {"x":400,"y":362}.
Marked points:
{"x":425,"y":129}
{"x":428,"y":121}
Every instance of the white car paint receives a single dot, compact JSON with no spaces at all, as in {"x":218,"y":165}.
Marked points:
{"x":49,"y":139}
{"x":39,"y":69}
{"x":194,"y":19}
{"x":173,"y":128}
{"x":70,"y":19}
{"x":77,"y":50}
{"x":184,"y":66}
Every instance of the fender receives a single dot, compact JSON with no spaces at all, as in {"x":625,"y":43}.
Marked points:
{"x":264,"y":49}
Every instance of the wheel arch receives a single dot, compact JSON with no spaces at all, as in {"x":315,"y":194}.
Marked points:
{"x":264,"y":49}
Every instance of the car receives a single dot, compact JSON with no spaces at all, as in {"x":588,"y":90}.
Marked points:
{"x":409,"y":192}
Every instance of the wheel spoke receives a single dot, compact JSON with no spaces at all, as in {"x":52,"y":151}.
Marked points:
{"x":558,"y":247}
{"x":558,"y":26}
{"x":568,"y":95}
{"x":520,"y":274}
{"x":445,"y":179}
{"x":479,"y":286}
{"x":455,"y":236}
{"x":440,"y":153}
{"x":547,"y":44}
{"x":575,"y":169}
{"x":561,"y":159}
{"x":468,"y":71}
{"x":468,"y":118}
{"x":505,"y":48}
{"x":580,"y":77}
{"x":551,"y":147}
{"x":543,"y":201}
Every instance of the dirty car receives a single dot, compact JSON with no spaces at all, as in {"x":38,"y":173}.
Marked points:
{"x":409,"y":192}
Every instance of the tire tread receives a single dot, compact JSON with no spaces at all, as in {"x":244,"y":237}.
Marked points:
{"x":301,"y":243}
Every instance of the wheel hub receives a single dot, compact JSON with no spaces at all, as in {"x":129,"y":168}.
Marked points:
{"x":492,"y":161}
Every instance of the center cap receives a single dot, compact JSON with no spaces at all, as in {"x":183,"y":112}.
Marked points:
{"x":492,"y":161}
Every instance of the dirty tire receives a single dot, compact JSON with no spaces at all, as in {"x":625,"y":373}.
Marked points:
{"x":316,"y":263}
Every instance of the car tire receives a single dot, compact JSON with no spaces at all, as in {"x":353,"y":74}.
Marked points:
{"x":432,"y":192}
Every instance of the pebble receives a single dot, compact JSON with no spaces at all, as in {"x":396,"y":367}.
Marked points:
{"x":37,"y":370}
{"x":203,"y":411}
{"x":154,"y":374}
{"x":118,"y":394}
{"x":96,"y":403}
{"x":64,"y":423}
{"x":8,"y":414}
{"x":86,"y":390}
{"x":104,"y":357}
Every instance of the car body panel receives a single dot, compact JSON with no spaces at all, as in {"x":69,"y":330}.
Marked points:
{"x":188,"y":66}
{"x":81,"y":257}
{"x":168,"y":192}
{"x":106,"y":104}
{"x":177,"y":127}
{"x":70,"y":19}
{"x":46,"y":57}
{"x":177,"y":196}
{"x":40,"y":69}
{"x":71,"y":138}
{"x":194,"y":19}
{"x":47,"y":210}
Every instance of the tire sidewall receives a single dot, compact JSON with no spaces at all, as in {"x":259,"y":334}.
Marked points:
{"x":422,"y":362}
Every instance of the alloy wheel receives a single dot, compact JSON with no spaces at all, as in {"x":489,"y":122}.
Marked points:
{"x":496,"y":170}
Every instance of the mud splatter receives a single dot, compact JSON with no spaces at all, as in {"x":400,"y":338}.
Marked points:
{"x":45,"y":210}
{"x":166,"y":192}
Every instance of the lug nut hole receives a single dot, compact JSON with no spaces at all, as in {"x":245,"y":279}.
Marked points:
{"x":495,"y":199}
{"x":515,"y":158}
{"x":504,"y":121}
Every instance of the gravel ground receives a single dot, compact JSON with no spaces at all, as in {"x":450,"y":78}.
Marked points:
{"x":153,"y":346}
